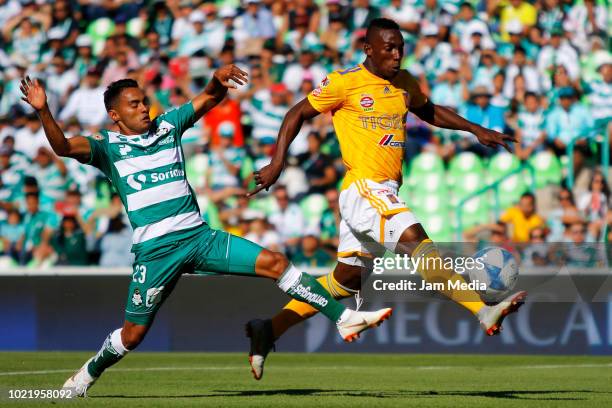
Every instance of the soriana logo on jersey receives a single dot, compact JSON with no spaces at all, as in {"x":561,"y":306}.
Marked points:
{"x":367,"y":102}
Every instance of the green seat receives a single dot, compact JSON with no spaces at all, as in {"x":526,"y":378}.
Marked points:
{"x":502,"y":164}
{"x":195,"y":170}
{"x":433,"y":204}
{"x":467,"y":184}
{"x":465,"y":162}
{"x":313,"y":206}
{"x":135,"y":27}
{"x":437,"y":227}
{"x":427,"y":183}
{"x":475,"y":211}
{"x":426,"y":163}
{"x":510,"y":190}
{"x":547,"y":169}
{"x":99,"y":30}
{"x":267,"y":204}
{"x":212,"y":216}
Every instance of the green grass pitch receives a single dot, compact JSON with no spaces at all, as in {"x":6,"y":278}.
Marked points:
{"x":319,"y":380}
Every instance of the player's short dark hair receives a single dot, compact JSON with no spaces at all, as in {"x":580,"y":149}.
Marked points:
{"x":30,"y":181}
{"x":114,"y":90}
{"x":32,"y":194}
{"x":380,"y":24}
{"x":529,"y":194}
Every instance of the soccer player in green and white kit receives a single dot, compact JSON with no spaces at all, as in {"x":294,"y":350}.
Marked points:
{"x":144,"y":161}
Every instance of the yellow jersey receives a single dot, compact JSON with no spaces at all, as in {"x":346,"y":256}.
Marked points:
{"x":369,"y":117}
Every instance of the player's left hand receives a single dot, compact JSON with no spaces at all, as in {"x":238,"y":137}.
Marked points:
{"x":230,"y":76}
{"x":492,"y":138}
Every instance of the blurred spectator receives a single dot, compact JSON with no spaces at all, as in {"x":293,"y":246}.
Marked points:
{"x":566,"y":213}
{"x":479,"y":110}
{"x":599,"y":93}
{"x":85,"y":59}
{"x":116,"y":243}
{"x":432,"y":54}
{"x":451,"y":89}
{"x":35,"y":244}
{"x":568,"y":121}
{"x":267,"y":110}
{"x":585,"y":19}
{"x":311,"y":254}
{"x":307,"y":68}
{"x":537,"y":252}
{"x":62,"y":79}
{"x":522,"y":218}
{"x":50,"y":172}
{"x":318,"y":166}
{"x":288,"y":220}
{"x":11,"y":177}
{"x":330,"y":220}
{"x":225,"y":163}
{"x":517,"y":10}
{"x":257,"y":20}
{"x":31,"y":137}
{"x":530,"y":133}
{"x":558,"y":52}
{"x":11,"y":232}
{"x":86,"y":103}
{"x":262,"y":233}
{"x":361,"y":13}
{"x":521,"y":67}
{"x":69,"y":243}
{"x":27,"y":36}
{"x":228,"y":111}
{"x":594,"y":204}
{"x":578,"y":252}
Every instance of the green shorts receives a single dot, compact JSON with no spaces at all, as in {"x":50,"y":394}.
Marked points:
{"x":156,"y":272}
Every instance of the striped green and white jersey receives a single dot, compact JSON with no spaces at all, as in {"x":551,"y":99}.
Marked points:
{"x":148,"y":172}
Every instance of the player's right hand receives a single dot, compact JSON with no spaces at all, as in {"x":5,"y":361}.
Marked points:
{"x":33,"y":93}
{"x":265,"y":177}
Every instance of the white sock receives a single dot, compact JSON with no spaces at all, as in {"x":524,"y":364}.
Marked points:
{"x":117,"y":343}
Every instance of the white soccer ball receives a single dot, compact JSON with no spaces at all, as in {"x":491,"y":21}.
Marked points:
{"x":497,"y":269}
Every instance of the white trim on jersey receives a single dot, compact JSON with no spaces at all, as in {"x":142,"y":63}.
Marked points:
{"x":133,"y":165}
{"x":166,"y":226}
{"x":157,"y":194}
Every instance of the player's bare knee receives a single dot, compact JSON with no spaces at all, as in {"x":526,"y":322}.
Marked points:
{"x":271,"y":264}
{"x":133,"y":335}
{"x":410,"y":239}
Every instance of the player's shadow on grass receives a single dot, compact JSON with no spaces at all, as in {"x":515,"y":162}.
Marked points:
{"x":536,"y":395}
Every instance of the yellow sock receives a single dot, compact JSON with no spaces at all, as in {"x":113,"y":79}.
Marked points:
{"x":434,"y":271}
{"x":330,"y":284}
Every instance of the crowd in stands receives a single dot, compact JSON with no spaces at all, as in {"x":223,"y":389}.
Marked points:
{"x":540,"y":70}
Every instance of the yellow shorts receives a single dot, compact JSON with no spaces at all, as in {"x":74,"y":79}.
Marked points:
{"x":373,"y":219}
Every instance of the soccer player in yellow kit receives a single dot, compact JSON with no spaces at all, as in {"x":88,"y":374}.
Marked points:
{"x":369,"y":103}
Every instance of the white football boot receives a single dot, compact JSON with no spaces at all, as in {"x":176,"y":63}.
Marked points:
{"x":356,"y":322}
{"x":80,"y":381}
{"x":491,"y":317}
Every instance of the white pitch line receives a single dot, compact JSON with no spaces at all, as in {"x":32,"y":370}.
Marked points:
{"x":245,"y":367}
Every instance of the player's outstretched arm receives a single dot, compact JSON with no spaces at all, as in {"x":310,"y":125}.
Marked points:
{"x":76,"y":147}
{"x":217,"y":88}
{"x":443,"y":117}
{"x":290,"y":127}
